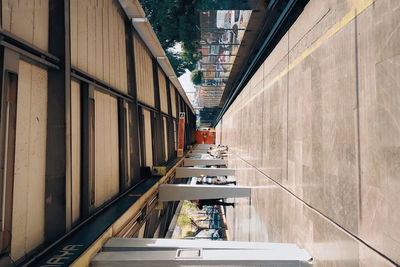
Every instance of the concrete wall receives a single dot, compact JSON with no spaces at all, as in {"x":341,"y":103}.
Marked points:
{"x":319,"y":123}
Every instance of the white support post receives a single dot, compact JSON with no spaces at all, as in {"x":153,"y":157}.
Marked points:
{"x":174,"y":192}
{"x":203,"y":162}
{"x":184,"y":172}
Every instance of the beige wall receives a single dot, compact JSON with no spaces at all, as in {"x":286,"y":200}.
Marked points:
{"x":148,"y":138}
{"x":218,"y":134}
{"x":144,"y":73}
{"x":165,"y":121}
{"x":98,"y":41}
{"x":128,"y":141}
{"x":75,"y":150}
{"x":175,"y":136}
{"x":30,"y":160}
{"x":27,"y":19}
{"x":173,"y":100}
{"x":106,"y":147}
{"x":321,"y":118}
{"x":163,"y":91}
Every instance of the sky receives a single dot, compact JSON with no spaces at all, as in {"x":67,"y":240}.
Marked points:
{"x":186,"y":81}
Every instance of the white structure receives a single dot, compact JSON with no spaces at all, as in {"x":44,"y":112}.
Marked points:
{"x":178,"y":252}
{"x":184,"y":172}
{"x":174,"y":192}
{"x":203,"y":162}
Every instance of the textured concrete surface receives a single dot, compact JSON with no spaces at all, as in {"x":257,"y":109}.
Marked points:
{"x":274,"y":215}
{"x":318,"y":127}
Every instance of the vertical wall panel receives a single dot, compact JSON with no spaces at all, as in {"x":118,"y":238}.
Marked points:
{"x":76,"y":150}
{"x":114,"y":146}
{"x":173,"y":100}
{"x":106,"y":148}
{"x":91,"y":37}
{"x":111,"y":34}
{"x":129,"y":146}
{"x":106,"y":45}
{"x":74,"y":31}
{"x":175,"y":136}
{"x":163,"y":91}
{"x":144,"y":74}
{"x":27,"y":19}
{"x":122,"y":56}
{"x":100,"y":132}
{"x":82,"y":36}
{"x":30,"y":160}
{"x":120,"y":51}
{"x":98,"y":41}
{"x":148,"y":138}
{"x":165,"y":138}
{"x":99,"y":73}
{"x":41,"y":24}
{"x":6,"y":14}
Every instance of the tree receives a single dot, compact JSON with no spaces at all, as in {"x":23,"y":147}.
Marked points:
{"x":177,"y":62}
{"x":174,"y":21}
{"x":207,"y":115}
{"x":197,"y":77}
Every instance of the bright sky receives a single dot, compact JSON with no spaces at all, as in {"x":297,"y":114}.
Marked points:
{"x":186,"y":81}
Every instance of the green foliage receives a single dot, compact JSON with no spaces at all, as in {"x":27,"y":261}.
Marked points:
{"x":190,"y":234}
{"x":184,"y":217}
{"x":207,"y":115}
{"x":191,"y":56}
{"x":197,"y":77}
{"x":189,"y":205}
{"x":176,"y":21}
{"x":177,"y":62}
